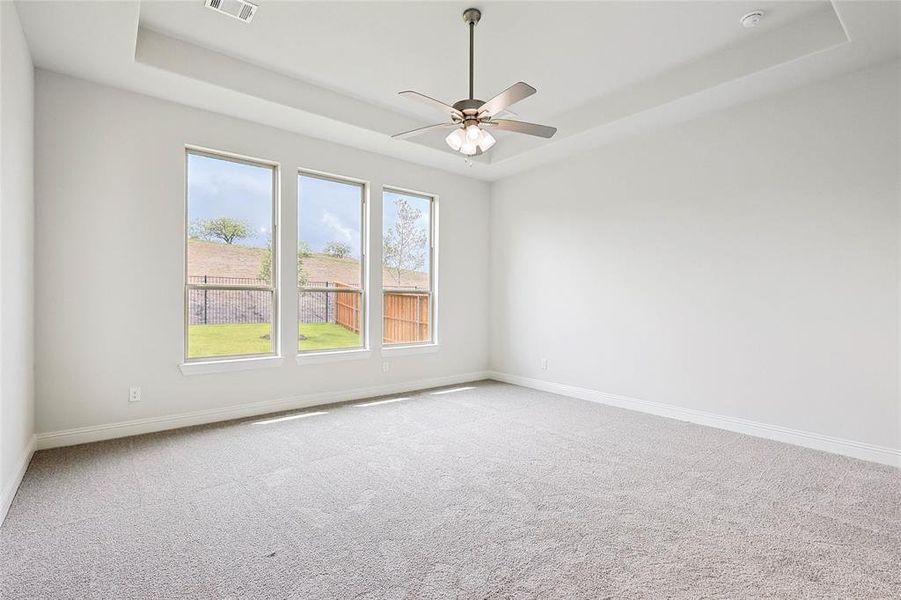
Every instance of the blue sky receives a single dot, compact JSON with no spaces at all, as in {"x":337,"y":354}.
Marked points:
{"x":328,"y":210}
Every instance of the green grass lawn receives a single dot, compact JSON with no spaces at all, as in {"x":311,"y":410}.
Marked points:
{"x":323,"y":336}
{"x":253,"y":338}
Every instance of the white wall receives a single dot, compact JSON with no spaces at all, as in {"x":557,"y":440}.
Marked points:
{"x":110,"y":218}
{"x":745,"y":264}
{"x":16,"y":254}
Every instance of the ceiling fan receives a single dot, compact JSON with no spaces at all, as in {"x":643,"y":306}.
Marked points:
{"x":471,"y":119}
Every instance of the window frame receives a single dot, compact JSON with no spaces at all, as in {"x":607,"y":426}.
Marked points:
{"x":363,"y":347}
{"x":400,"y":347}
{"x":273,"y":287}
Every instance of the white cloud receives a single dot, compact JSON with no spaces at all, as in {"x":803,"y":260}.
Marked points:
{"x":214,"y":177}
{"x":331,"y":221}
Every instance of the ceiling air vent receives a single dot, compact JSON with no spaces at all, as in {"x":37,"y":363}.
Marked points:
{"x":237,"y":9}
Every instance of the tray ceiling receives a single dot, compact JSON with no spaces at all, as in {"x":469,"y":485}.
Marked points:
{"x":333,"y":69}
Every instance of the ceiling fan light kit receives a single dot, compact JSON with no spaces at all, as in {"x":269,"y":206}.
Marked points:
{"x":470,"y":118}
{"x":470,"y":141}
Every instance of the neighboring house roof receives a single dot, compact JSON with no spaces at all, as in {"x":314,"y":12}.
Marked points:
{"x":218,"y":260}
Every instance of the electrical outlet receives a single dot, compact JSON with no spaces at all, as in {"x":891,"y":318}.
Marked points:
{"x":544,"y":364}
{"x":386,"y":367}
{"x":134,"y":394}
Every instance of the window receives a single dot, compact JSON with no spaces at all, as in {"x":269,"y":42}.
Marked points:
{"x":230,"y":287}
{"x":330,"y":263}
{"x":408,"y":262}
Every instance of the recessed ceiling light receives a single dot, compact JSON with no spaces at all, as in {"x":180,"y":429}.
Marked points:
{"x":751,"y":19}
{"x":237,"y":9}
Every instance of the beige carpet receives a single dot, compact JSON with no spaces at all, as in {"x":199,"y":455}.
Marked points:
{"x":481,"y":491}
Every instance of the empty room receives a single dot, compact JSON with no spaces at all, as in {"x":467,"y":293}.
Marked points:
{"x":425,"y":299}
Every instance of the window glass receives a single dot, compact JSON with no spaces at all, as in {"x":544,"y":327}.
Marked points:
{"x":229,"y":288}
{"x":407,"y":268}
{"x":330,"y":263}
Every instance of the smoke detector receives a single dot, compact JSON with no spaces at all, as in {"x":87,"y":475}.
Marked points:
{"x":751,"y":19}
{"x":237,"y":9}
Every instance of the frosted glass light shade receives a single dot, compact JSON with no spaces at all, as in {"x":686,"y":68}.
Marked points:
{"x":455,"y":139}
{"x":487,"y":141}
{"x":469,"y":149}
{"x":470,"y":140}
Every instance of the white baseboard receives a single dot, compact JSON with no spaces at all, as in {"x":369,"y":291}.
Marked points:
{"x":807,"y":439}
{"x":12,"y":486}
{"x":96,"y":433}
{"x":82,"y":435}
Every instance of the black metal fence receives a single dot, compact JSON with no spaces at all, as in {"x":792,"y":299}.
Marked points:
{"x":317,"y":307}
{"x":216,"y":306}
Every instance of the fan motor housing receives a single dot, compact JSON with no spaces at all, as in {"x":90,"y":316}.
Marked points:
{"x":469,"y":104}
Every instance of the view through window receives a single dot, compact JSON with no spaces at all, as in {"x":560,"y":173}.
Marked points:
{"x":229,"y":289}
{"x":330,"y":276}
{"x":408,"y":270}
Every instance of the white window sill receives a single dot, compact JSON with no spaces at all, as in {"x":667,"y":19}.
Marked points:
{"x":410,"y":349}
{"x":315,"y":358}
{"x":231,"y":364}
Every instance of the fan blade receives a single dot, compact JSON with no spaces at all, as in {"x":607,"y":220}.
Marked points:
{"x":425,"y":129}
{"x":522,"y":127}
{"x":437,"y":104}
{"x":511,"y":95}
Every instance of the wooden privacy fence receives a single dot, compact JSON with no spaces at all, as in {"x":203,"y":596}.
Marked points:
{"x":347,"y":308}
{"x":406,"y":316}
{"x":405,"y":321}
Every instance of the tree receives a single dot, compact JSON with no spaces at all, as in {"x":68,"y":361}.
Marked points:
{"x":406,"y":242}
{"x":197,"y":230}
{"x":303,"y":251}
{"x":337,"y":249}
{"x":222,"y":228}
